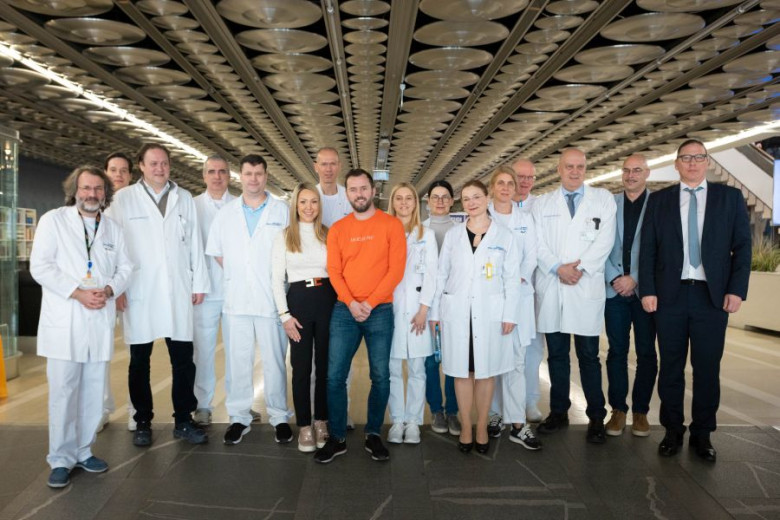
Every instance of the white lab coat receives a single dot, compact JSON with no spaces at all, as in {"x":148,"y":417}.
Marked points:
{"x":464,"y":295}
{"x":247,"y":260}
{"x":521,"y":224}
{"x":67,"y":330}
{"x":334,"y":207}
{"x":169,"y":264}
{"x":207,"y":210}
{"x":573,"y":309}
{"x":422,"y":256}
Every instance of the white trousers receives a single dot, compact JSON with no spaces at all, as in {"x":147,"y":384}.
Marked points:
{"x":410,"y":412}
{"x":206,"y":318}
{"x":534,"y":354}
{"x":509,"y":396}
{"x":75,"y":409}
{"x":245,"y":333}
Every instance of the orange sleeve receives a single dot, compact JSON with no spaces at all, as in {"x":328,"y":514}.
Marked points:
{"x":336,"y":267}
{"x":396,"y":263}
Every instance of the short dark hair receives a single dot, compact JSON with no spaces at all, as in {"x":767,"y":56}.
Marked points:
{"x":254,"y":160}
{"x":441,"y":184}
{"x":151,"y":146}
{"x":119,"y":155}
{"x":70,"y":185}
{"x":690,"y":141}
{"x":357,"y":172}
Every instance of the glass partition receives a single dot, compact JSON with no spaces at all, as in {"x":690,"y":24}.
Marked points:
{"x":9,"y":298}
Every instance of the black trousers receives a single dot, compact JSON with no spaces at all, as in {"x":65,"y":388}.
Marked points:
{"x":312,"y":307}
{"x":182,"y":391}
{"x":691,"y":319}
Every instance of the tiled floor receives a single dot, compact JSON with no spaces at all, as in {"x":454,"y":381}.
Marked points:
{"x":260,"y":479}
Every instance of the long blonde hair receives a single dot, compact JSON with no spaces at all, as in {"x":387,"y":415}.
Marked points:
{"x":292,"y":235}
{"x":415,"y":222}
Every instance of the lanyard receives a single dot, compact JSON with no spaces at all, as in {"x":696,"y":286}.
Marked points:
{"x":89,"y":246}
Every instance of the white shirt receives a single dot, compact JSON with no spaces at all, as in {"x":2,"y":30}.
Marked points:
{"x":334,"y":207}
{"x":156,"y":196}
{"x":690,"y":272}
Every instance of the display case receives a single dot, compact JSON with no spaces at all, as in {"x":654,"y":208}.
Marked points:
{"x":9,"y":298}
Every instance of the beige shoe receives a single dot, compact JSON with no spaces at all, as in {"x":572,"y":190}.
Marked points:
{"x":616,"y":424}
{"x":321,"y":432}
{"x":640,"y":427}
{"x":306,"y":441}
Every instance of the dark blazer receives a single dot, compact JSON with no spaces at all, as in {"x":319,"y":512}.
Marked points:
{"x":725,"y":245}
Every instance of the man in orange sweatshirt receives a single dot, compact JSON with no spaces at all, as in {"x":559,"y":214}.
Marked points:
{"x":366,"y":259}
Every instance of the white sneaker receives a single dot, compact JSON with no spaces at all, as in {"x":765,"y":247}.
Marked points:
{"x":350,"y":423}
{"x":131,"y":426}
{"x":396,"y":433}
{"x":412,"y":434}
{"x":533,"y":414}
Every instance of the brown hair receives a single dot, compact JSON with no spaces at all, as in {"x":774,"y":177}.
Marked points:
{"x":292,"y":235}
{"x":70,"y":184}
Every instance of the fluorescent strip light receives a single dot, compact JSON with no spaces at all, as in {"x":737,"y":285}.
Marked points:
{"x":716,"y":143}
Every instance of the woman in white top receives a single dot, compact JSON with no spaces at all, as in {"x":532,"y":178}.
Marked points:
{"x":300,"y":254}
{"x":411,"y":300}
{"x":477,"y":293}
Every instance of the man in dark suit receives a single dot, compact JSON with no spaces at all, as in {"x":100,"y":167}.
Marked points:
{"x":694,"y":265}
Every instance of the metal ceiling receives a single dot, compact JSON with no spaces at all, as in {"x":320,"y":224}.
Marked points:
{"x":428,"y":89}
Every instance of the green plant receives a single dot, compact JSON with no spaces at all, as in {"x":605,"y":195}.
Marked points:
{"x":766,"y":256}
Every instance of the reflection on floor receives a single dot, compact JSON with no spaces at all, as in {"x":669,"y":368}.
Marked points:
{"x":260,"y":479}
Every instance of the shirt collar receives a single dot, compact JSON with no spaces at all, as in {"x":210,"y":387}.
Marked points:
{"x":580,"y":190}
{"x":259,"y":208}
{"x":703,"y":186}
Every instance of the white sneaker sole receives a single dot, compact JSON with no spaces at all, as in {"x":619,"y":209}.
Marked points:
{"x":636,"y":433}
{"x":522,"y":443}
{"x":233,"y":443}
{"x":614,"y":433}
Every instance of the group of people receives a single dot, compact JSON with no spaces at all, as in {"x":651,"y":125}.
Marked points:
{"x":478,"y":299}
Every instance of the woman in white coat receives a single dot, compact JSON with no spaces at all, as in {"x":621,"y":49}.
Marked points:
{"x":509,"y":396}
{"x":411,"y":335}
{"x":477,"y":293}
{"x":80,"y":260}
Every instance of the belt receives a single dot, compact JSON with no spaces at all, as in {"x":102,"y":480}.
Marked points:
{"x":311,"y":282}
{"x":693,"y":281}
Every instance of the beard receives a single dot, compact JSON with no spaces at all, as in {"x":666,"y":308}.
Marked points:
{"x":360,"y":205}
{"x":90,"y":204}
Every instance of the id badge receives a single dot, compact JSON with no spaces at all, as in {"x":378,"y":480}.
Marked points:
{"x":487,"y":270}
{"x":88,"y":283}
{"x":588,"y":236}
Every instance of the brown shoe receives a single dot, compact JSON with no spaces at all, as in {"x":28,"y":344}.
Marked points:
{"x":321,"y":433}
{"x":616,"y":424}
{"x":639,"y":426}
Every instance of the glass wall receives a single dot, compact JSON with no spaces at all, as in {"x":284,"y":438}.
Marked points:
{"x":9,"y":143}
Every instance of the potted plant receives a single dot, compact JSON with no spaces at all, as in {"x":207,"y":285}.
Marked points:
{"x":760,"y":308}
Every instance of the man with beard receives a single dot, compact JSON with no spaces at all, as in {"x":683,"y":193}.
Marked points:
{"x":79,"y":258}
{"x":366,"y":260}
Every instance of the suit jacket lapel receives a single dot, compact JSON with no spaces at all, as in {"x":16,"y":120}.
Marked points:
{"x":619,"y":201}
{"x":675,"y":209}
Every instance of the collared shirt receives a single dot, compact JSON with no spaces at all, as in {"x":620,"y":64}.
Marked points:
{"x":252,"y":215}
{"x":631,"y":213}
{"x":157,"y":197}
{"x":580,"y":194}
{"x":217,"y":203}
{"x":690,"y":272}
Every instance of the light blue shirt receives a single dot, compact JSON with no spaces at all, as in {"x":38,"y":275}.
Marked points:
{"x":252,"y":216}
{"x":579,"y":191}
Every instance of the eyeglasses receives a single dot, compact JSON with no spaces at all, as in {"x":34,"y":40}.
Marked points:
{"x":635,"y":171}
{"x":699,"y":157}
{"x":526,"y":178}
{"x":438,"y":198}
{"x":96,"y":189}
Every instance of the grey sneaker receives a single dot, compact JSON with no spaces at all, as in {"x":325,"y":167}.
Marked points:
{"x":202,"y":417}
{"x":453,"y":425}
{"x":439,"y":422}
{"x":495,"y":425}
{"x":93,"y":465}
{"x":525,"y":437}
{"x":59,"y":478}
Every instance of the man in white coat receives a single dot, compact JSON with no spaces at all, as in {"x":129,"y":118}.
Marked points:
{"x":170,"y":276}
{"x":240,"y":239}
{"x":576,"y":230}
{"x":80,"y":260}
{"x":208,"y":315}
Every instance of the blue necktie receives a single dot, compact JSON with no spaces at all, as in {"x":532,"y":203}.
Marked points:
{"x":570,"y":203}
{"x":694,"y":250}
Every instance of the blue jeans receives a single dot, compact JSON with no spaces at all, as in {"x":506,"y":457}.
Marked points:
{"x":433,"y":389}
{"x":558,"y":361}
{"x":345,"y":336}
{"x":619,"y":313}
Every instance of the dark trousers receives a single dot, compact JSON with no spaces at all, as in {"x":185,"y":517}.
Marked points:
{"x":620,"y":313}
{"x":312,"y":307}
{"x":559,"y":364}
{"x":182,"y":391}
{"x":691,"y":319}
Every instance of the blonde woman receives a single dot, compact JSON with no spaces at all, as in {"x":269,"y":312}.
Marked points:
{"x":411,"y":335}
{"x":300,"y":254}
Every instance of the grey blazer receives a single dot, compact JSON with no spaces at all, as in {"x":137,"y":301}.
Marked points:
{"x":614,"y":265}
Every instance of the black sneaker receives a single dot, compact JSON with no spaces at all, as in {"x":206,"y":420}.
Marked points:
{"x":332,"y":449}
{"x":190,"y":432}
{"x":495,"y":426}
{"x":597,"y":434}
{"x":553,"y":423}
{"x":235,"y":432}
{"x":375,"y":447}
{"x":525,"y":437}
{"x":283,"y":433}
{"x":142,"y":436}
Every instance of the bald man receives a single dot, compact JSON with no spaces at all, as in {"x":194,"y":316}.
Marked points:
{"x":624,"y":308}
{"x":525,"y":175}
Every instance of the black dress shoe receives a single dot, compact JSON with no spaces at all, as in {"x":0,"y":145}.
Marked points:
{"x":596,"y":433}
{"x":671,"y":443}
{"x":465,"y":447}
{"x":703,"y":447}
{"x":482,"y":448}
{"x":553,"y":423}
